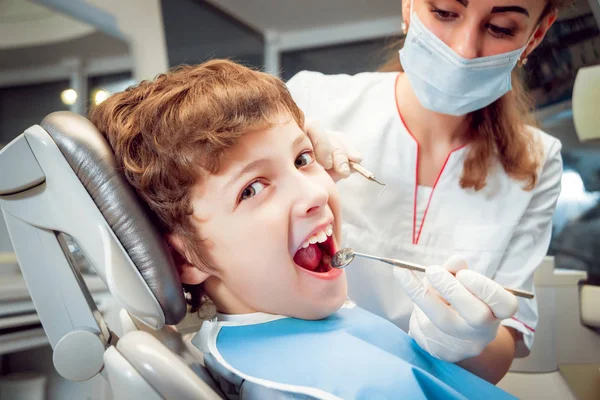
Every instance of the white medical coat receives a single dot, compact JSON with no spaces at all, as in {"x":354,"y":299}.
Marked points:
{"x":503,"y":231}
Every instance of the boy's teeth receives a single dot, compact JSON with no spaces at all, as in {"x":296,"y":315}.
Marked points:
{"x":319,"y":237}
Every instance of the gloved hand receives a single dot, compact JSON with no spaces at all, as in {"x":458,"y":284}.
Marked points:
{"x":331,"y":150}
{"x":455,"y":317}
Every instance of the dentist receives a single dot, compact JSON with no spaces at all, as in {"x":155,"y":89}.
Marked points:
{"x":472,"y":185}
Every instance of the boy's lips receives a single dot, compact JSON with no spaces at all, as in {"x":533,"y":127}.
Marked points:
{"x":330,"y":275}
{"x":314,"y":255}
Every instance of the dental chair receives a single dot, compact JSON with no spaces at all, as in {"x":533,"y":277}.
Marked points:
{"x":59,"y":184}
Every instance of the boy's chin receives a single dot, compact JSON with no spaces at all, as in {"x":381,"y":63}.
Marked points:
{"x":323,"y":310}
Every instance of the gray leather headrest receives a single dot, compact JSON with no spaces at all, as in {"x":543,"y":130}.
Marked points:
{"x":92,"y":160}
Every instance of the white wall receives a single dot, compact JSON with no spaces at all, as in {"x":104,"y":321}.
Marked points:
{"x":139,"y":22}
{"x":28,"y":24}
{"x":142,"y":24}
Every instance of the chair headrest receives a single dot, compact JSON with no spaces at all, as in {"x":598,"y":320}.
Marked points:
{"x":92,"y":159}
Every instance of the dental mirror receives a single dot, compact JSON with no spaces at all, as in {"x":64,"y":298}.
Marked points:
{"x":344,"y":257}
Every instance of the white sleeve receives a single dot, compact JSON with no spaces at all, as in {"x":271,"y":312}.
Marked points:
{"x":300,"y":87}
{"x":529,"y":245}
{"x":324,"y":97}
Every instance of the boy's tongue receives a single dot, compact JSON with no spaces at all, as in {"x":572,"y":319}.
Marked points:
{"x":308,"y":258}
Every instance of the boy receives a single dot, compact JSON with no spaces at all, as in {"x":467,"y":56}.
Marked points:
{"x":217,"y":152}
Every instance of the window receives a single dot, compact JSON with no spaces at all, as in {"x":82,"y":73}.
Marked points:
{"x":26,"y":105}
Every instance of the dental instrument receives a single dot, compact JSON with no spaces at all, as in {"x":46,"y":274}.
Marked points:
{"x":344,"y":257}
{"x":367,"y":174}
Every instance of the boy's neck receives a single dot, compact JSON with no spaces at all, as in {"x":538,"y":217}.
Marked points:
{"x":226,"y":302}
{"x":261,"y":316}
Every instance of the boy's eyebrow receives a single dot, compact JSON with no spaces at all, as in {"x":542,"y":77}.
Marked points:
{"x":249,"y":167}
{"x":263,"y":161}
{"x":299,"y":139}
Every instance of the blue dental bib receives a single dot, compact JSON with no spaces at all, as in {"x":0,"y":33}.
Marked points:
{"x":352,"y":354}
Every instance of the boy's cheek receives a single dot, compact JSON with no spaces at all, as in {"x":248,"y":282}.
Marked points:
{"x":334,"y":194}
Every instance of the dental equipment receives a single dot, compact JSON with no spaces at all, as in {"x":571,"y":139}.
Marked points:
{"x":60,"y":185}
{"x":367,"y":174}
{"x":344,"y":257}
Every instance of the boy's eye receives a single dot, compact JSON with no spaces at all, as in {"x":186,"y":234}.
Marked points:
{"x":304,"y":159}
{"x":252,"y":190}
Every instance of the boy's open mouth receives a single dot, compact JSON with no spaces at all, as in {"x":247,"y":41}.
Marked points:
{"x":315,"y":254}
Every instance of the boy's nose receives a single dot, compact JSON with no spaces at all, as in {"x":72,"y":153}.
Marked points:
{"x":311,"y":197}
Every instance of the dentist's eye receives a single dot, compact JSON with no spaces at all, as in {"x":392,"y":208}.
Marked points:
{"x":500,"y":32}
{"x":251,"y":190}
{"x":443,"y":15}
{"x":304,"y":159}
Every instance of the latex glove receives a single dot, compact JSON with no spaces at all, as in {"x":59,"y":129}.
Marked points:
{"x":331,"y":150}
{"x":455,"y":317}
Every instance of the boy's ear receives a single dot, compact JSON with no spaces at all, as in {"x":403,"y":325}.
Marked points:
{"x":188,"y":273}
{"x":192,"y":275}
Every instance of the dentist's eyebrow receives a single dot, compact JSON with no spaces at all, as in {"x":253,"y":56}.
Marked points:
{"x":464,"y":2}
{"x":516,"y":9}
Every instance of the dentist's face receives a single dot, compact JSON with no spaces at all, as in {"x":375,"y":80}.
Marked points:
{"x":480,"y":28}
{"x":270,"y":220}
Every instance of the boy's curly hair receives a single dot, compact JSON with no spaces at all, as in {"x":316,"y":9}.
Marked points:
{"x":168,"y":133}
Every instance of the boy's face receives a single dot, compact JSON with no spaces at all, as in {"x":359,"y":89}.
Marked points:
{"x":260,"y":217}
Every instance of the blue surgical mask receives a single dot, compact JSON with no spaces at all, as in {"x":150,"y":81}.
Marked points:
{"x":446,"y":83}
